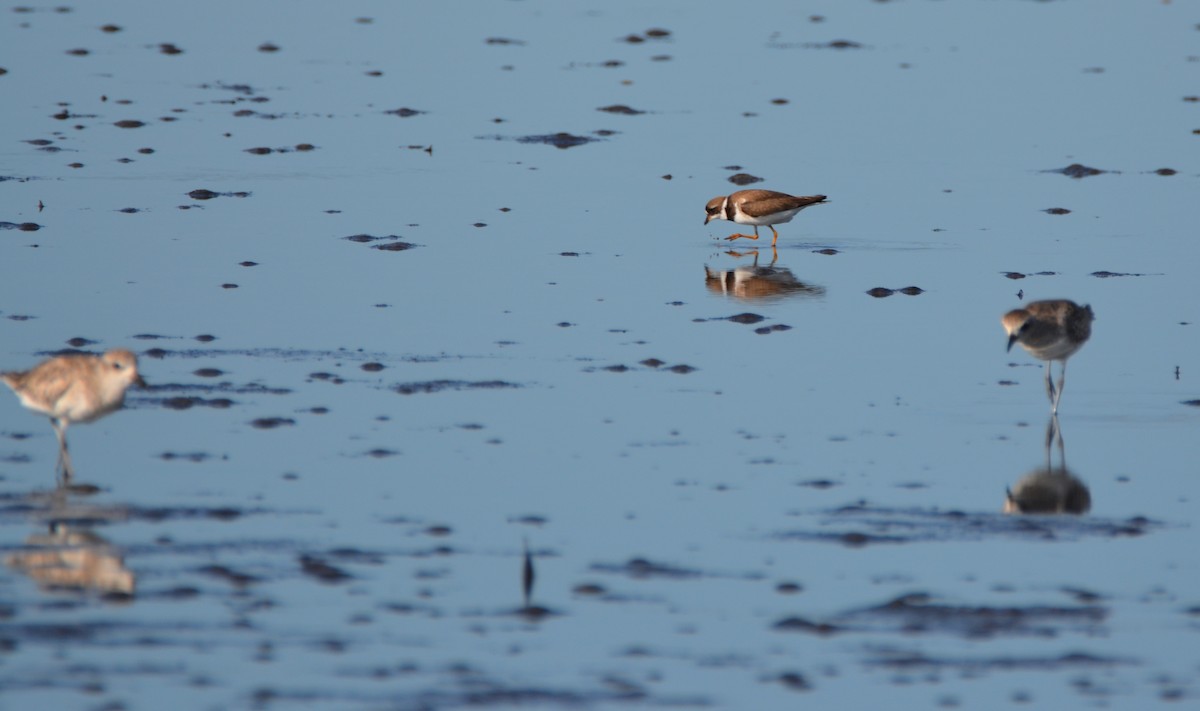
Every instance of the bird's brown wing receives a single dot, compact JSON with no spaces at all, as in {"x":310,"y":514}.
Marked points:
{"x":45,"y":383}
{"x":772,"y":202}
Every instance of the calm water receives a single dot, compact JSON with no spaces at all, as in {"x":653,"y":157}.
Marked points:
{"x":803,"y":509}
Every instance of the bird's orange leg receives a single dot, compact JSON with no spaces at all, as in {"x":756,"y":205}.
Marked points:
{"x":776,"y":239}
{"x":739,"y":235}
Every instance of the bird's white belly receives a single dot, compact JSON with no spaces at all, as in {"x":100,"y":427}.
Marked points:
{"x":1059,"y":349}
{"x":776,"y":219}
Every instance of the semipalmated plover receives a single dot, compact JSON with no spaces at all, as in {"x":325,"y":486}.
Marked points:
{"x":1050,"y":330}
{"x":78,"y":387}
{"x":757,"y":208}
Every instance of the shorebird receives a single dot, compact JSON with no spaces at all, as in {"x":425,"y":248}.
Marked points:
{"x":757,"y":208}
{"x":78,"y":387}
{"x":1050,"y":330}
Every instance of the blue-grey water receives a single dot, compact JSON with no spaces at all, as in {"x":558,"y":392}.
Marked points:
{"x":801,"y":510}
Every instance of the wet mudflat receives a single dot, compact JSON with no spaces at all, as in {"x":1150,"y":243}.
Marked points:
{"x":422,"y":295}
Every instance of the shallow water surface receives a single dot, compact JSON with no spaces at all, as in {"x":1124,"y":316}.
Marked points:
{"x":419,"y":288}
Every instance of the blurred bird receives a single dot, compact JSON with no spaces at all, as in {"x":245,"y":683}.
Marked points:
{"x":1050,"y":330}
{"x":78,"y":387}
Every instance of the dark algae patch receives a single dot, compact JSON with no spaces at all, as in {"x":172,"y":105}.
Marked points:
{"x":206,"y":194}
{"x":1077,"y":170}
{"x":558,"y":140}
{"x":435,"y":386}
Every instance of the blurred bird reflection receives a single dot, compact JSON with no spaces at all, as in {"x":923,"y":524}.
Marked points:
{"x":1050,"y":489}
{"x":753,"y":282}
{"x":73,"y":556}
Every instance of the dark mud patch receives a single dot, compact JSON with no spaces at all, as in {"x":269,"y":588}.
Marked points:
{"x":205,"y":194}
{"x":184,"y":402}
{"x":317,"y":567}
{"x":380,"y":453}
{"x":818,"y":483}
{"x":1056,"y":211}
{"x":405,"y":112}
{"x":465,"y":687}
{"x":744,"y":179}
{"x":832,"y":44}
{"x":642,"y":568}
{"x":923,"y":613}
{"x":651,"y":364}
{"x":656,"y":33}
{"x":270,"y":423}
{"x":1077,"y":170}
{"x":558,"y":140}
{"x":298,"y":148}
{"x":802,"y":624}
{"x":21,"y":226}
{"x":1021,"y":275}
{"x":881,"y":292}
{"x":194,"y":457}
{"x":1109,"y":275}
{"x":645,"y":569}
{"x":226,"y":574}
{"x":765,"y":330}
{"x":286,"y":354}
{"x":915,"y":661}
{"x":187,"y":403}
{"x":861,"y":524}
{"x":243,"y":89}
{"x":621,"y":109}
{"x":394,"y":246}
{"x":436,"y":386}
{"x":746,"y":318}
{"x":391,"y":243}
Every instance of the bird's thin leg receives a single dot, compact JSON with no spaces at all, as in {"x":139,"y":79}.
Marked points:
{"x":774,"y":232}
{"x":64,"y":456}
{"x":1062,"y":447}
{"x":738,"y":235}
{"x":1049,"y":381}
{"x":1050,"y":427}
{"x":1062,"y":381}
{"x":1053,"y":434}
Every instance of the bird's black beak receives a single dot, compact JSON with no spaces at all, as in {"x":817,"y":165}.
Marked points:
{"x":1011,"y":340}
{"x":707,"y":218}
{"x":140,"y":382}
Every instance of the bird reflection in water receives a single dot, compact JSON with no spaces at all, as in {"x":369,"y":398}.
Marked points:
{"x":70,"y":556}
{"x":1050,"y":489}
{"x":753,"y":282}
